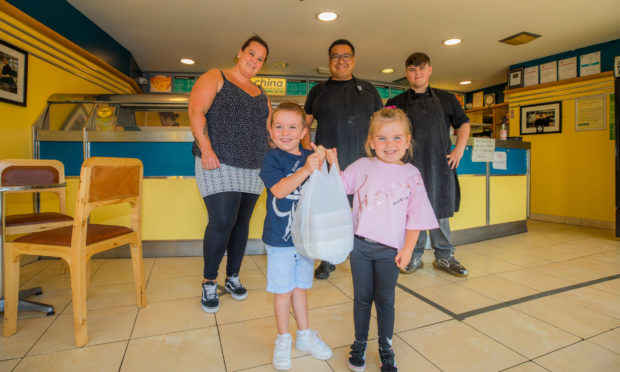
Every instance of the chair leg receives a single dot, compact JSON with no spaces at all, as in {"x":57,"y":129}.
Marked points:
{"x":11,"y":292}
{"x":138,"y":272}
{"x":78,"y":296}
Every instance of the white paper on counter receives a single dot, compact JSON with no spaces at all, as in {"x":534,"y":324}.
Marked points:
{"x":500,"y":160}
{"x":483,"y":150}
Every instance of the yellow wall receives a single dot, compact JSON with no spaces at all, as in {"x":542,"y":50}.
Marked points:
{"x":572,"y":172}
{"x":52,"y":68}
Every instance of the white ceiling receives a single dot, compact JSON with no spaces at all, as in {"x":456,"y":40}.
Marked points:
{"x":384,"y":33}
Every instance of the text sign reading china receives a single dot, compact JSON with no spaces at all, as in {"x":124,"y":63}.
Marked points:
{"x":272,"y":86}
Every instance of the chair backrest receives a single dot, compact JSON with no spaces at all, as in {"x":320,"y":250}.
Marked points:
{"x":106,"y":181}
{"x":28,"y":172}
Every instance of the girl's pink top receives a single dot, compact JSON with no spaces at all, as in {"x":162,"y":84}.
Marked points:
{"x":388,"y":200}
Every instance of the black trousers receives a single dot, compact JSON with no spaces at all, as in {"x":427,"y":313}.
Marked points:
{"x":375,"y":275}
{"x":227,"y":231}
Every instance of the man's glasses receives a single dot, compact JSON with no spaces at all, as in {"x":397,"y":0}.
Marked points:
{"x":345,"y":57}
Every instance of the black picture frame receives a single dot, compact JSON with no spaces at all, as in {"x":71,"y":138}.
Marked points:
{"x":515,"y":78}
{"x":542,"y":118}
{"x":13,"y":74}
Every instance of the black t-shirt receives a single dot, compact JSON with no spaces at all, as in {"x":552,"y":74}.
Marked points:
{"x":343,"y":110}
{"x":453,"y":112}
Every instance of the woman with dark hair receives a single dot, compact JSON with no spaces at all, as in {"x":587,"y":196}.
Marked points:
{"x":229,"y":115}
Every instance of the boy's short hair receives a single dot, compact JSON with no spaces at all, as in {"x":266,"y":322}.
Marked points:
{"x":417,"y":59}
{"x":290,"y":106}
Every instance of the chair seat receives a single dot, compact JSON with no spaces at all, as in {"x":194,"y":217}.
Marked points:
{"x":35,"y":218}
{"x":62,"y":236}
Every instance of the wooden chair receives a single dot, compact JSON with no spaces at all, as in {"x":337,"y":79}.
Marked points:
{"x":103,"y":181}
{"x":34,"y":172}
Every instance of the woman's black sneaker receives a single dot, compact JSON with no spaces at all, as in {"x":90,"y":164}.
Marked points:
{"x":388,"y":362}
{"x":357,"y":357}
{"x":235,"y":288}
{"x":210,"y":301}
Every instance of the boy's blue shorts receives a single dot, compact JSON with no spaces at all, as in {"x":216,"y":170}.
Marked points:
{"x":286,"y":270}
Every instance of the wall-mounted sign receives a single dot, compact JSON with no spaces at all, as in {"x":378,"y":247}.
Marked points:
{"x":271,"y":86}
{"x":590,"y":64}
{"x":590,"y":113}
{"x":161,"y":84}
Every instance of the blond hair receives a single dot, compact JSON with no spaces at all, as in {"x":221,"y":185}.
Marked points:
{"x":389,"y":114}
{"x":292,"y":107}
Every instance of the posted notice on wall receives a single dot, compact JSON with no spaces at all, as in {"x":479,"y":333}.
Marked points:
{"x":548,"y":72}
{"x":567,"y":68}
{"x":590,"y":113}
{"x":530,"y":76}
{"x":500,"y":160}
{"x":483,"y":150}
{"x":590,"y":64}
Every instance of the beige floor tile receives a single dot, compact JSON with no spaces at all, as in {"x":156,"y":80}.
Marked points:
{"x":582,"y":356}
{"x":551,"y":253}
{"x":259,"y":260}
{"x":28,"y":332}
{"x":300,"y":364}
{"x":519,"y":259}
{"x":335,"y":324}
{"x":187,"y":351}
{"x":58,"y":299}
{"x":611,"y":256}
{"x":526,"y":367}
{"x":609,"y":340}
{"x":595,"y":266}
{"x":422,"y":278}
{"x":471,"y":351}
{"x":611,"y":286}
{"x":109,"y":296}
{"x":498,"y":288}
{"x":456,"y":298}
{"x":489,"y":264}
{"x":8,"y":365}
{"x":174,"y":267}
{"x":565,"y":315}
{"x":407,"y":358}
{"x":250,"y":343}
{"x":565,"y":272}
{"x":411,"y":313}
{"x":174,"y":288}
{"x":171,"y":316}
{"x":535,"y":279}
{"x":102,"y":358}
{"x":118,"y":271}
{"x":325,"y":293}
{"x":253,"y":279}
{"x":520,"y":332}
{"x":344,"y":284}
{"x":259,"y":304}
{"x":594,"y":299}
{"x":104,"y":326}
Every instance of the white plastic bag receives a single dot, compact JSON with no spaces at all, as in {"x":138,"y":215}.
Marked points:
{"x":322,"y":223}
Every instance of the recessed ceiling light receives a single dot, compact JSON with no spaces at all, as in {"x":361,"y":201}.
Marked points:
{"x":187,"y":61}
{"x":387,"y":70}
{"x":327,"y":16}
{"x":465,"y":82}
{"x":451,"y":41}
{"x":281,"y":64}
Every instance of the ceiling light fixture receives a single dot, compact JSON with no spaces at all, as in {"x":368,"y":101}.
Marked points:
{"x":449,"y":42}
{"x":465,"y":82}
{"x":187,"y":61}
{"x":281,"y":64}
{"x":327,"y":16}
{"x":520,"y":38}
{"x":387,"y":70}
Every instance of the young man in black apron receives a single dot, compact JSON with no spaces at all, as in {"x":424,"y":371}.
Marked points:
{"x":431,"y":112}
{"x":342,"y":107}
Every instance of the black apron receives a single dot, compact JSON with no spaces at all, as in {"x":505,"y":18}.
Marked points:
{"x":432,"y":145}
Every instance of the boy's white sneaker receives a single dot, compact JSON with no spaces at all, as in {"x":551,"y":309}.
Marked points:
{"x":308,"y":340}
{"x":282,"y":352}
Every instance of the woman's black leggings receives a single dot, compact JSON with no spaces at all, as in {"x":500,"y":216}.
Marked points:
{"x":227,"y":231}
{"x":375,"y":275}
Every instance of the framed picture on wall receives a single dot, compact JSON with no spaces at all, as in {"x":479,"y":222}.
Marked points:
{"x":515,"y":78}
{"x":542,"y":118}
{"x":13,"y":74}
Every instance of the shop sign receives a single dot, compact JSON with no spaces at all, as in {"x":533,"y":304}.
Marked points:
{"x":271,"y":86}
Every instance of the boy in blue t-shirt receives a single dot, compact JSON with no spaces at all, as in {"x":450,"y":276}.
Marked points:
{"x":284,"y":170}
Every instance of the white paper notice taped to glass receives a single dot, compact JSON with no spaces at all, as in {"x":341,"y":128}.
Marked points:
{"x":483,"y":150}
{"x":500,"y":160}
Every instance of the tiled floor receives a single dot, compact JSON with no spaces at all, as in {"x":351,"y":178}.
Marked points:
{"x":484,"y":326}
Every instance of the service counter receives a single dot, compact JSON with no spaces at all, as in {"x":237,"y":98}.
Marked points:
{"x":494,"y":202}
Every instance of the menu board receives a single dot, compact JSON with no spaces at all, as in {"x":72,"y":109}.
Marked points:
{"x":183,"y":84}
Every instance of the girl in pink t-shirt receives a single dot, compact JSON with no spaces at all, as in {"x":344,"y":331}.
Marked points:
{"x":390,"y":207}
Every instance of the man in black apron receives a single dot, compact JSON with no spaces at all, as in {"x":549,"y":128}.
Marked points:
{"x":342,"y":107}
{"x":431,"y":112}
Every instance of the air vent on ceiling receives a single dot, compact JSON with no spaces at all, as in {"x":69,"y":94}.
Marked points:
{"x":520,"y":38}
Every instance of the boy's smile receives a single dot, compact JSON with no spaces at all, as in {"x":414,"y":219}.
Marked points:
{"x":287,"y":130}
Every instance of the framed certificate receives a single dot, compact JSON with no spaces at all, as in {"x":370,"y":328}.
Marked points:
{"x":515,"y":78}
